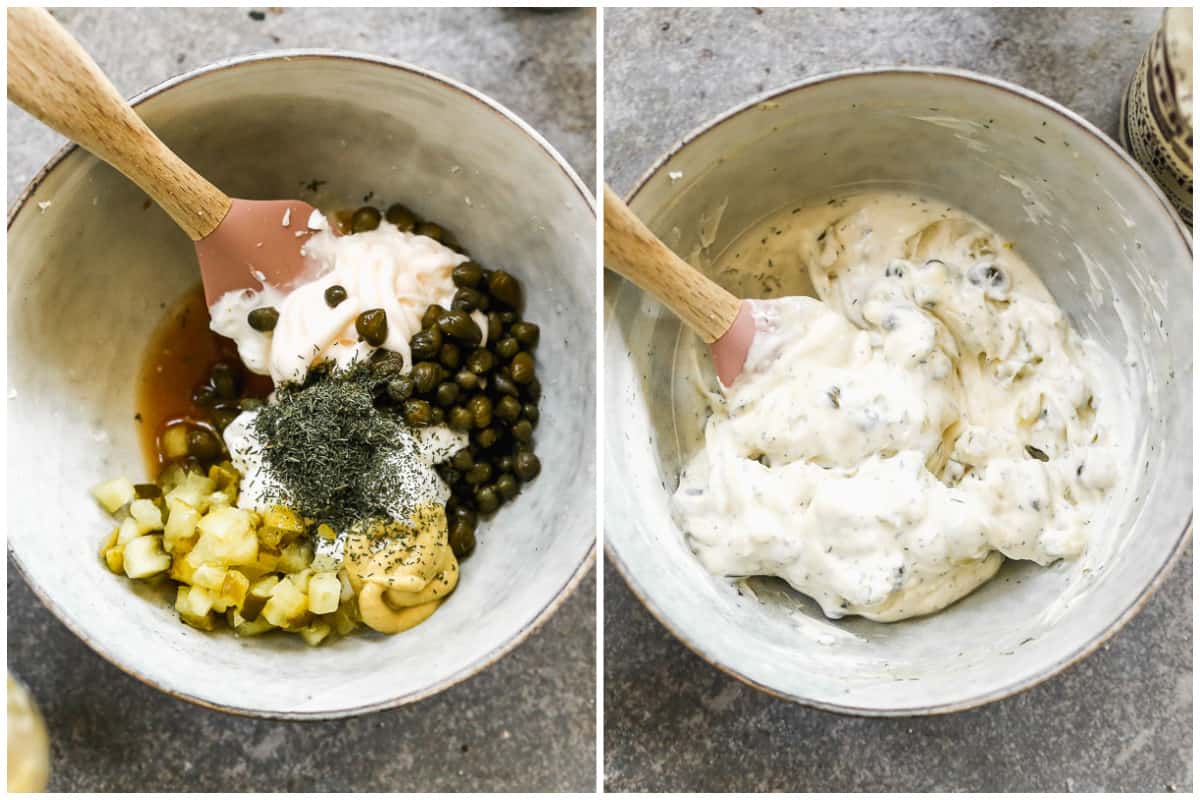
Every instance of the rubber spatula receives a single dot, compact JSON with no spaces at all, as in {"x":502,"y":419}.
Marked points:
{"x":239,"y":243}
{"x":723,"y":321}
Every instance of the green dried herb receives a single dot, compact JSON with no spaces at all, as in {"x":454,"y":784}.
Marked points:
{"x":335,"y":456}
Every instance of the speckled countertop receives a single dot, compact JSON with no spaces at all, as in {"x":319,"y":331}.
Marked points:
{"x":1121,"y":720}
{"x":528,"y":722}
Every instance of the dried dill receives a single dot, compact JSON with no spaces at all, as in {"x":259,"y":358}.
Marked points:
{"x":335,"y":456}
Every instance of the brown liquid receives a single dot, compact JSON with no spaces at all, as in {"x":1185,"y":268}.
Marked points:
{"x":179,"y":358}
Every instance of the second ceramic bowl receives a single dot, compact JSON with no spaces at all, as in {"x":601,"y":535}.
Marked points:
{"x":1104,"y":241}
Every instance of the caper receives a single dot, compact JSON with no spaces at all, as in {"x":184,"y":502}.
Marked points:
{"x":447,"y":394}
{"x":450,"y":355}
{"x":426,"y":344}
{"x":499,"y":497}
{"x":480,"y":473}
{"x":522,"y":367}
{"x":486,"y":500}
{"x":504,"y":287}
{"x":495,"y":326}
{"x":450,"y":475}
{"x":147,"y":491}
{"x":526,"y":465}
{"x":463,"y":459}
{"x":417,"y":413}
{"x":460,"y":419}
{"x":263,"y":319}
{"x":481,"y":361}
{"x":504,"y":385}
{"x":531,"y":413}
{"x":508,"y":408}
{"x":221,"y":417}
{"x":487,"y":437}
{"x":430,"y":229}
{"x":386,"y":364}
{"x":365,"y":219}
{"x":203,"y":444}
{"x":466,"y":379}
{"x":430,"y":317}
{"x":224,"y":381}
{"x":533,"y":390}
{"x":250,"y":403}
{"x":507,"y":487}
{"x":334,"y":295}
{"x":204,"y":395}
{"x":437,"y":415}
{"x":469,"y":300}
{"x":372,"y":326}
{"x":462,"y":540}
{"x":507,"y":347}
{"x":467,"y":274}
{"x":527,"y":333}
{"x":400,"y":389}
{"x":401,"y":217}
{"x":509,"y":317}
{"x":480,"y":407}
{"x":459,"y":325}
{"x":522,"y":431}
{"x":426,"y":375}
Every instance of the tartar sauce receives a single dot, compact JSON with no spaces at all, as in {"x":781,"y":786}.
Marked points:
{"x":889,"y":444}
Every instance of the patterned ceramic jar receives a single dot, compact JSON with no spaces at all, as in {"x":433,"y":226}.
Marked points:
{"x":1156,"y":111}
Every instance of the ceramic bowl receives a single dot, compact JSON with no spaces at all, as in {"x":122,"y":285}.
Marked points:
{"x":1107,"y":245}
{"x":91,"y":264}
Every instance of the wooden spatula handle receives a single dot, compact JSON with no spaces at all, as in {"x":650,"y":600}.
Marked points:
{"x":51,"y":77}
{"x":631,"y":250}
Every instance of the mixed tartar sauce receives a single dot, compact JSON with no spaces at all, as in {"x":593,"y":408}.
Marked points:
{"x":890,"y":443}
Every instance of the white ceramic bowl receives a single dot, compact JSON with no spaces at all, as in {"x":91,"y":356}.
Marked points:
{"x":87,"y":278}
{"x":1106,"y":244}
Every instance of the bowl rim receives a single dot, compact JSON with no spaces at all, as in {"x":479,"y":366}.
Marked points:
{"x":564,"y":591}
{"x":1184,"y":537}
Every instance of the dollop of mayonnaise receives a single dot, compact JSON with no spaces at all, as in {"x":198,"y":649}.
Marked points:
{"x":889,"y":444}
{"x":386,"y":268}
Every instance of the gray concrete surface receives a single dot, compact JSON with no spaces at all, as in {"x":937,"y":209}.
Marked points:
{"x":1120,"y":721}
{"x":527,"y":723}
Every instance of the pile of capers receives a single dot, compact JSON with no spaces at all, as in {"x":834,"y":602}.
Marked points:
{"x":367,"y":218}
{"x":483,"y":385}
{"x":486,"y":388}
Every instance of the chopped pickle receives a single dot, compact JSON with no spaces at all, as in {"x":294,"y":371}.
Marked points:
{"x":144,"y":557}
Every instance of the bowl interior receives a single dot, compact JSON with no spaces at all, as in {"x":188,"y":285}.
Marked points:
{"x":1106,"y":246}
{"x":91,"y":272}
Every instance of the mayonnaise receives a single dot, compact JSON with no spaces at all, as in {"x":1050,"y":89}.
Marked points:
{"x":386,"y":268}
{"x":888,"y":444}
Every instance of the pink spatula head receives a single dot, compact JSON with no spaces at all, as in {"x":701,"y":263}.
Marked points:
{"x":257,"y":241}
{"x":730,"y":350}
{"x":722,"y":320}
{"x":238,"y":242}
